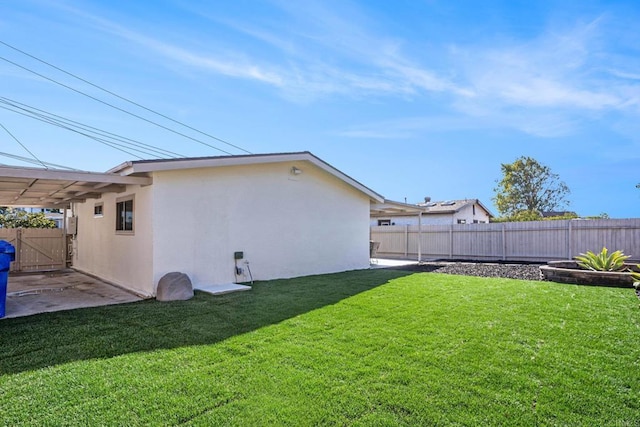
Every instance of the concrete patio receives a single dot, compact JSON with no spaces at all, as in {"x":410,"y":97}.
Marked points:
{"x":387,"y":263}
{"x":33,"y":293}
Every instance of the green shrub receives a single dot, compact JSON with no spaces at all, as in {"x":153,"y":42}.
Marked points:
{"x":604,"y":261}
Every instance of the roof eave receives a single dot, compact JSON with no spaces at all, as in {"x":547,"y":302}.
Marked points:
{"x":149,"y":166}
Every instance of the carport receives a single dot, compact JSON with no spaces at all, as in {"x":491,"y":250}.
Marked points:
{"x":61,"y":289}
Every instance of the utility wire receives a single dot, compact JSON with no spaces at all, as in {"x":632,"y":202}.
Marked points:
{"x":22,"y":145}
{"x":28,"y":160}
{"x":115,"y":107}
{"x":124,"y":99}
{"x":115,"y":145}
{"x":39,"y":114}
{"x":103,"y":141}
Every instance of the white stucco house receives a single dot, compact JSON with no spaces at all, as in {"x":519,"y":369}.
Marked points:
{"x":287,"y":214}
{"x":467,"y":211}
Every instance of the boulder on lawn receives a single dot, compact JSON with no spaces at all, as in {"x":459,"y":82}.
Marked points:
{"x":174,"y":287}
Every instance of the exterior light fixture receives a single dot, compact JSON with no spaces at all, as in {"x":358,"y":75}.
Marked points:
{"x":295,"y":171}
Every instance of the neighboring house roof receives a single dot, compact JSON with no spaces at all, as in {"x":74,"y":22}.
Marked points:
{"x":145,"y":166}
{"x":451,"y":206}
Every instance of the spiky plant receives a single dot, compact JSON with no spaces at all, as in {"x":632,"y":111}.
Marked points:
{"x":636,"y":277}
{"x":603,"y":261}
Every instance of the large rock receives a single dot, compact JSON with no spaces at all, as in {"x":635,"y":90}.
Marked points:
{"x":174,"y":287}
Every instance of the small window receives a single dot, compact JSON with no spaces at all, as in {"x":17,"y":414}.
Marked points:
{"x":124,"y":215}
{"x":98,"y":210}
{"x":384,"y":222}
{"x":474,"y":209}
{"x":462,"y":221}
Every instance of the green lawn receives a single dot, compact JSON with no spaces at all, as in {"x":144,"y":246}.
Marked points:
{"x":359,"y":348}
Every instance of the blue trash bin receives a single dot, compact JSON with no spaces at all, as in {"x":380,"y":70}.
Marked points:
{"x":7,"y":254}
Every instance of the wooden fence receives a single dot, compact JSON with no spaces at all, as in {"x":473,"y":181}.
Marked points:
{"x":536,"y":241}
{"x":36,"y":249}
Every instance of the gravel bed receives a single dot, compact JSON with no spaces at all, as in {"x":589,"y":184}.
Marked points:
{"x":482,"y":269}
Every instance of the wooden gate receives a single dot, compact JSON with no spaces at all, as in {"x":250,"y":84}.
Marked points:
{"x":37,"y":249}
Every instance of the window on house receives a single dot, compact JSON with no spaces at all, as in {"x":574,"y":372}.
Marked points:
{"x":462,"y":221}
{"x":475,"y":221}
{"x":384,"y":222}
{"x":474,"y":209}
{"x":98,"y":209}
{"x":124,"y":215}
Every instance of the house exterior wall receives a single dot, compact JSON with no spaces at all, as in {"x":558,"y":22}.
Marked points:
{"x":467,"y":214}
{"x":123,"y":259}
{"x":286,"y":225}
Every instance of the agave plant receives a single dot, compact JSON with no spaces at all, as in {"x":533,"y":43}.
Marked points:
{"x":636,"y":277}
{"x":603,"y":261}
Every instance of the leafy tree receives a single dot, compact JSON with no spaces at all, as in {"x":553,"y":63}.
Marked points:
{"x":12,"y":218}
{"x":528,"y":187}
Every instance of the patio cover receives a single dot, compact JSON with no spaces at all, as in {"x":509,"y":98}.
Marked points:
{"x":57,"y":188}
{"x":389,"y":207}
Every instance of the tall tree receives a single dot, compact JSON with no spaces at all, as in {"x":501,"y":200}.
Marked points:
{"x":529,"y":187}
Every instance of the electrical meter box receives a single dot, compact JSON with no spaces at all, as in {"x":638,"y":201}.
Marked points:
{"x":72,"y":225}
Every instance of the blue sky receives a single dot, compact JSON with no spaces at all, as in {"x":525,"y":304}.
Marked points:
{"x":413,"y":98}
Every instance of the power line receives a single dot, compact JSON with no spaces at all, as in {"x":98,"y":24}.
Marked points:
{"x":124,"y":99}
{"x":60,"y":124}
{"x":34,"y":113}
{"x":113,"y":106}
{"x":28,"y":160}
{"x":22,"y":145}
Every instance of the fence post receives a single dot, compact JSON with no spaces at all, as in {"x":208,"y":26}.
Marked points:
{"x":406,"y":240}
{"x":451,"y":241}
{"x":570,"y":240}
{"x":18,"y":259}
{"x":504,"y":242}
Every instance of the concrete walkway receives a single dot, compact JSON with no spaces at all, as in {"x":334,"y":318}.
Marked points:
{"x":386,"y":263}
{"x":29,"y":293}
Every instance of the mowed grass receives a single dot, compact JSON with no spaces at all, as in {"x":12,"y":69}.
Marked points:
{"x":358,"y":348}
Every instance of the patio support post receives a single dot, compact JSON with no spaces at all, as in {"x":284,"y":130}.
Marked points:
{"x":65,"y":246}
{"x":419,"y":237}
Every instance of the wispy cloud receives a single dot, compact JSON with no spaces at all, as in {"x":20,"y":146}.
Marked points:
{"x":224,"y":63}
{"x":543,"y":85}
{"x":330,"y":50}
{"x":553,"y":71}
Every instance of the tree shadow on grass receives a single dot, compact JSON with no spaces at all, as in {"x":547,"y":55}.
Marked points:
{"x":49,"y":339}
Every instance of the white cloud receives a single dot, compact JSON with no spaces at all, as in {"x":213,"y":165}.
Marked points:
{"x":322,"y":49}
{"x":557,"y":70}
